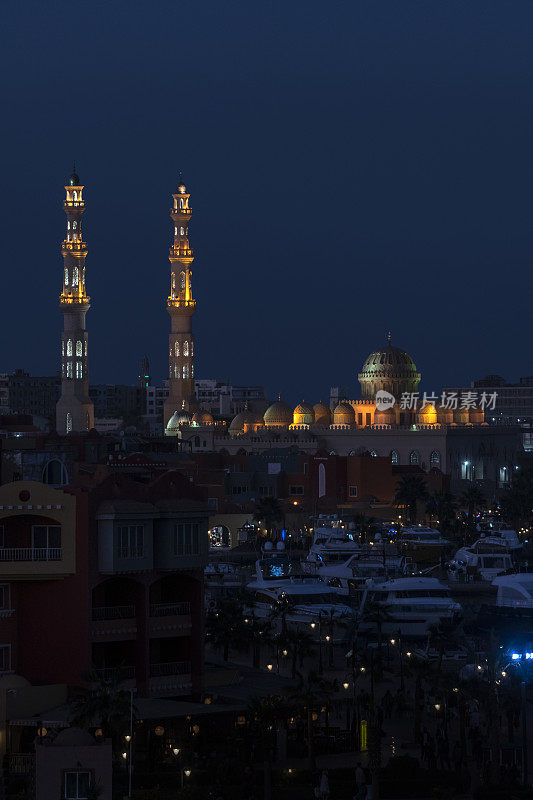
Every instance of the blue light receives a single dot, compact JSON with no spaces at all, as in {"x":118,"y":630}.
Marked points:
{"x":516,"y":656}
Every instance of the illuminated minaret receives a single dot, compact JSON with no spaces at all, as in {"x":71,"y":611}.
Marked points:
{"x":74,"y":410}
{"x":181,"y":308}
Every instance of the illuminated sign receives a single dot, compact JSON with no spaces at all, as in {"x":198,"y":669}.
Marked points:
{"x":520,"y":656}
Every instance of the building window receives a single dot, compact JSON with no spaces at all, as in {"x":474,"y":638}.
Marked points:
{"x":85,"y":349}
{"x":185,"y":348}
{"x":131,"y":541}
{"x":184,"y":372}
{"x":186,"y":539}
{"x":434,"y":458}
{"x":5,"y":657}
{"x":192,"y":370}
{"x":79,"y":348}
{"x":69,"y":347}
{"x":296,"y":489}
{"x":182,"y":278}
{"x":46,"y":542}
{"x":62,"y":348}
{"x":55,"y":473}
{"x":76,"y":785}
{"x":177,"y":349}
{"x":192,"y":349}
{"x":182,"y":232}
{"x":79,"y":370}
{"x":353,"y":491}
{"x":74,"y":226}
{"x":75,"y":277}
{"x":373,"y":454}
{"x":414,"y":458}
{"x":68,"y":422}
{"x":66,"y":276}
{"x":69,"y":369}
{"x":395,"y":457}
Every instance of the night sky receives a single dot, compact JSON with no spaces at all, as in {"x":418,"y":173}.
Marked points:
{"x":354,"y":167}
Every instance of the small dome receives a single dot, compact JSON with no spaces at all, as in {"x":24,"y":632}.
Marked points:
{"x":202,"y":418}
{"x":428,"y":414}
{"x":476,"y":415}
{"x":444,"y":415}
{"x":237,"y":423}
{"x":385,"y":417}
{"x":303,"y":414}
{"x":278,"y":415}
{"x":173,"y":423}
{"x":74,"y":179}
{"x":322,"y":414}
{"x":460,"y":415}
{"x":344,"y":414}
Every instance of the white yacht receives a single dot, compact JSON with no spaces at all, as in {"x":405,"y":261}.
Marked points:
{"x":279,"y":583}
{"x":222,"y":579}
{"x":493,"y":529}
{"x":411,"y":605}
{"x":349,"y":575}
{"x":333,"y":543}
{"x":515,"y":591}
{"x":421,"y":536}
{"x":485,"y":560}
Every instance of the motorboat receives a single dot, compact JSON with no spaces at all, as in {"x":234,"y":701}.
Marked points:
{"x":421,"y":536}
{"x":411,"y":606}
{"x":484,"y":560}
{"x":333,"y":544}
{"x":515,"y":591}
{"x":281,"y":592}
{"x":496,"y":530}
{"x":346,"y":576}
{"x":222,"y":579}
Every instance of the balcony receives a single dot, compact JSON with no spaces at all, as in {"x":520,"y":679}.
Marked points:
{"x":115,"y":673}
{"x":170,"y":678}
{"x":169,"y":609}
{"x":31,"y":553}
{"x":113,"y":613}
{"x":113,"y":623}
{"x":131,"y":552}
{"x":20,"y":763}
{"x":169,"y":619}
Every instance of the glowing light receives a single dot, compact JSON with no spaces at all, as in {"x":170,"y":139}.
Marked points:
{"x":346,"y":685}
{"x":269,"y":667}
{"x":128,"y":737}
{"x":176,"y":751}
{"x":124,"y":755}
{"x":186,"y":772}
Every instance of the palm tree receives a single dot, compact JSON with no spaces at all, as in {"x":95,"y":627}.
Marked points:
{"x":473,"y":498}
{"x":442,"y":506}
{"x":298,"y":644}
{"x":409,"y":491}
{"x":377,"y":614}
{"x":312,"y":692}
{"x":364,"y":525}
{"x":268,"y":510}
{"x":265,"y":714}
{"x":225,"y":627}
{"x":103,"y":703}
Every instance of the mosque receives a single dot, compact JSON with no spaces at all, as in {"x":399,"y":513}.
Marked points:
{"x":452,"y":438}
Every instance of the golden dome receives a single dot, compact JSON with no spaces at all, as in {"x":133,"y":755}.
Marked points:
{"x":202,"y":418}
{"x":388,"y":368}
{"x":322,"y":414}
{"x":303,"y":414}
{"x":278,"y":415}
{"x":237,"y":423}
{"x":344,"y":414}
{"x":476,"y":415}
{"x":444,"y":415}
{"x":460,"y":415}
{"x":428,"y":415}
{"x":385,"y":417}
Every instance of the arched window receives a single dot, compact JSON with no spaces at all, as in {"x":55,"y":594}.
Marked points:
{"x":74,"y":225}
{"x":69,"y":347}
{"x":181,"y":202}
{"x":74,"y":195}
{"x":182,"y":232}
{"x":351,"y":453}
{"x":332,"y":453}
{"x":79,"y":369}
{"x":177,"y":348}
{"x":192,"y":348}
{"x":68,"y":422}
{"x":185,"y":348}
{"x":184,"y":372}
{"x":182,"y":279}
{"x":394,"y":457}
{"x":79,"y":348}
{"x":373,"y":454}
{"x":63,"y":348}
{"x":66,"y":276}
{"x":192,"y":370}
{"x":68,"y":226}
{"x":434,"y":458}
{"x":75,"y":277}
{"x":175,"y":230}
{"x":55,"y":473}
{"x":414,"y":457}
{"x":85,"y":349}
{"x":69,"y":369}
{"x":176,"y":371}
{"x":173,"y":280}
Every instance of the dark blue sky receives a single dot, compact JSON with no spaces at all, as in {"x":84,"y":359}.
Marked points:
{"x":354,"y":167}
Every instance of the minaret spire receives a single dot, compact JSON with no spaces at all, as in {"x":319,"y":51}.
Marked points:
{"x":181,"y":305}
{"x":74,"y":410}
